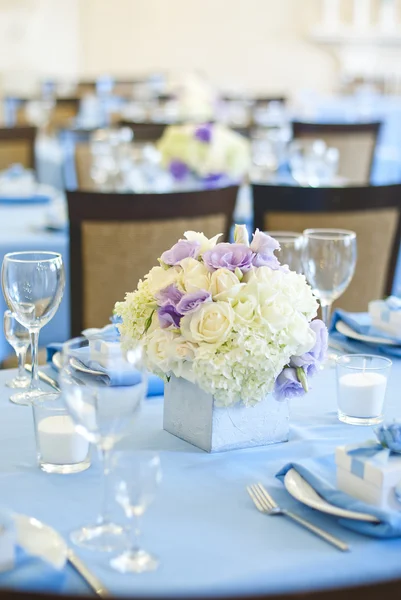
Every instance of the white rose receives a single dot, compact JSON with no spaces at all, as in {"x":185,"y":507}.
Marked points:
{"x":205,"y":243}
{"x":301,"y":293}
{"x":245,"y":308}
{"x":181,"y":350}
{"x":221,"y":281}
{"x":211,"y":324}
{"x":159,"y":278}
{"x":277,"y":313}
{"x":195,"y":275}
{"x":300,"y":334}
{"x":158,"y":349}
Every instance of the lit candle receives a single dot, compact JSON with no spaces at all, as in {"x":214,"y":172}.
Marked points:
{"x":362,"y":394}
{"x":59,"y":443}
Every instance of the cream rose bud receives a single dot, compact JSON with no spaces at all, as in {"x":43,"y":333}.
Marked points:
{"x":159,"y":278}
{"x":195,"y":275}
{"x":222,"y":280}
{"x":158,"y":349}
{"x":211,"y":324}
{"x":180,"y":349}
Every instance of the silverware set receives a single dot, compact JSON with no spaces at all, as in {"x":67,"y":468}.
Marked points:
{"x":266,"y":505}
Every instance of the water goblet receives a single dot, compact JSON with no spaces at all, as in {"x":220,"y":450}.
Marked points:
{"x":137,"y":476}
{"x":18,"y":337}
{"x":291,"y":248}
{"x":33,"y":285}
{"x":329,"y":260}
{"x":103,"y":414}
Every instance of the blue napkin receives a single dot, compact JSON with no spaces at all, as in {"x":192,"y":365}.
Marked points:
{"x":155,"y":384}
{"x":32,"y":574}
{"x":321,"y":474}
{"x":361,"y":323}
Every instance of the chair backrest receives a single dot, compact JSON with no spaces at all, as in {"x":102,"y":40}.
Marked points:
{"x":356,"y":143}
{"x":83,"y":163}
{"x":373,"y":212}
{"x":17,"y":145}
{"x":115,"y":239}
{"x":64,"y":111}
{"x":145,"y":132}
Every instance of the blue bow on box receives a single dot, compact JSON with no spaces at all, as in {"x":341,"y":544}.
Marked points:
{"x":359,"y":457}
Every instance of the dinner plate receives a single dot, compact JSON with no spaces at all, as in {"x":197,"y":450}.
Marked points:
{"x":301,"y":490}
{"x":40,"y":540}
{"x":368,"y":339}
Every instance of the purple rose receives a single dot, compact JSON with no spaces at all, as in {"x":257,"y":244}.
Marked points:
{"x":180,"y":250}
{"x":178,"y":169}
{"x":229,"y":256}
{"x":263,"y":246}
{"x":287,"y":385}
{"x":203,"y":133}
{"x":169,"y":295}
{"x":190,"y":302}
{"x":311,"y":360}
{"x":168,"y":317}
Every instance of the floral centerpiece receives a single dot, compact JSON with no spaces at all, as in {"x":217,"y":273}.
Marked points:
{"x":211,"y":152}
{"x":227,"y":318}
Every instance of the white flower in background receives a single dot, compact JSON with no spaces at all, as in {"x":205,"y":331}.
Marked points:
{"x":196,"y":97}
{"x":210,"y":324}
{"x":205,"y":243}
{"x":241,"y":235}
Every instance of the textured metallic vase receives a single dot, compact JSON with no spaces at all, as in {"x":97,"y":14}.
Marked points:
{"x":191,"y":414}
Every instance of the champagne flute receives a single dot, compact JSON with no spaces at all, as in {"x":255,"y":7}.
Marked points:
{"x":329,"y":261}
{"x":291,"y":248}
{"x":18,"y":337}
{"x":33,"y":285}
{"x":103,"y":414}
{"x":137,"y":476}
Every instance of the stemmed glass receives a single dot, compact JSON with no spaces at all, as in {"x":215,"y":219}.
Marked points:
{"x":329,"y":261}
{"x":33,"y":285}
{"x":291,"y":248}
{"x":103,"y":414}
{"x":137,"y":476}
{"x":18,"y":337}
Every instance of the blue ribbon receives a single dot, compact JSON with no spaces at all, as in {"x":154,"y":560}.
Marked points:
{"x":360,"y":455}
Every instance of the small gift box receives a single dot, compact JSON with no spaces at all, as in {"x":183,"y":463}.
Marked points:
{"x":386,"y":315}
{"x":104,"y":353}
{"x":369,"y":472}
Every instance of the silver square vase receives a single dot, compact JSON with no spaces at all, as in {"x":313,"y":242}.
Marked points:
{"x":192,"y":415}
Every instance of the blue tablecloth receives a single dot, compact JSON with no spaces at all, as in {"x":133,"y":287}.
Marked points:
{"x":203,"y":526}
{"x":22,"y":228}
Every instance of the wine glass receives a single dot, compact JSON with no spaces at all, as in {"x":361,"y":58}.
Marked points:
{"x":18,"y":337}
{"x":103,"y":413}
{"x":329,"y":261}
{"x":291,"y":248}
{"x":33,"y":285}
{"x":137,"y":476}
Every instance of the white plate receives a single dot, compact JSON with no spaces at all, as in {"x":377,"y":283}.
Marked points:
{"x":369,"y":339}
{"x":301,"y":490}
{"x":41,"y":540}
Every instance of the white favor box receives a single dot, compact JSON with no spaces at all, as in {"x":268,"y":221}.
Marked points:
{"x":105,"y":352}
{"x":8,"y":540}
{"x":370,"y":479}
{"x":385,"y":319}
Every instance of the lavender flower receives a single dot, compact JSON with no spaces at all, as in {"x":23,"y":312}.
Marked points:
{"x":263,"y":246}
{"x":178,"y":169}
{"x":390,"y":436}
{"x":203,"y":133}
{"x":180,"y":250}
{"x":190,"y":302}
{"x":229,"y":256}
{"x":169,"y":295}
{"x":311,"y":360}
{"x":287,"y":385}
{"x":168,"y":317}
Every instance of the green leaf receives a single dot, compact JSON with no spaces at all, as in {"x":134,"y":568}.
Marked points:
{"x":168,"y":377}
{"x":302,"y":378}
{"x":148,"y":322}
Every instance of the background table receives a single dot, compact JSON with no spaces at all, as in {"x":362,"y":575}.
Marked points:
{"x":203,"y":526}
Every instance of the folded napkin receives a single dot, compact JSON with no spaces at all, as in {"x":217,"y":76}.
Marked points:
{"x":117,"y":378}
{"x":32,"y":574}
{"x":361,"y":323}
{"x":320,"y":473}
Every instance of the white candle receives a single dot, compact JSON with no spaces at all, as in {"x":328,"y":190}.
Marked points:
{"x":361,"y":14}
{"x":59,"y":443}
{"x":361,"y":394}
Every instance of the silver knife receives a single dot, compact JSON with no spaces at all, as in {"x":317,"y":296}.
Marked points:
{"x":44,"y":377}
{"x":91,"y":579}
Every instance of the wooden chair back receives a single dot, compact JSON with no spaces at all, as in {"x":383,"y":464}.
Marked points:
{"x":17,"y":145}
{"x":356,"y":143}
{"x":115,"y":239}
{"x":373,"y":212}
{"x":145,"y":132}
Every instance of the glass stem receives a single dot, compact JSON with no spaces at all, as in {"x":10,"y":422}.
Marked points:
{"x":35,"y":358}
{"x":21,"y":354}
{"x":326,"y":313}
{"x":135,"y":534}
{"x":104,"y":516}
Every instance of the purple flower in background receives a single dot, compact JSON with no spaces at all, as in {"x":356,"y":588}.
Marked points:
{"x":203,"y":133}
{"x":190,"y":302}
{"x":180,"y":250}
{"x":287,"y":385}
{"x":229,"y":256}
{"x":263,"y":246}
{"x":168,"y":317}
{"x":311,"y":360}
{"x":178,"y":169}
{"x":170,"y":295}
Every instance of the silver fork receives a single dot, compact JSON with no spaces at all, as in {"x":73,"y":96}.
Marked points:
{"x":265,"y":504}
